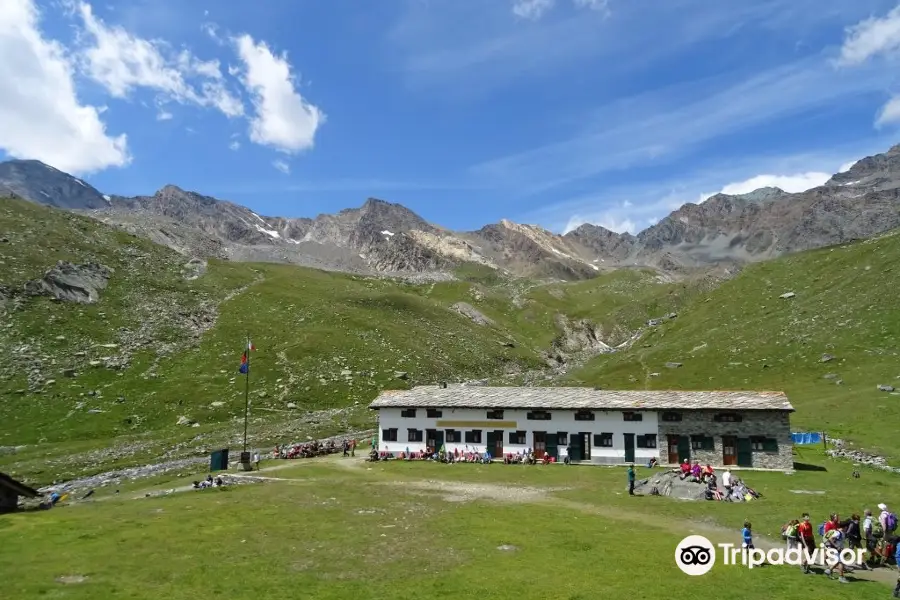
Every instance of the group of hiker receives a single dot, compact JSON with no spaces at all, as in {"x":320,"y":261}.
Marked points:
{"x":315,"y":448}
{"x":876,"y":535}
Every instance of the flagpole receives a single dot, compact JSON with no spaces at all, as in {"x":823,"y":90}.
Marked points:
{"x":246,"y":390}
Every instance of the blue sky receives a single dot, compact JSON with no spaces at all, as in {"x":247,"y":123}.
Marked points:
{"x":552,"y":112}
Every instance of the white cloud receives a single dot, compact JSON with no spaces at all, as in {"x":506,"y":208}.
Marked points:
{"x":890,"y":113}
{"x":122,"y":62}
{"x":598,"y":5}
{"x":282,"y":166}
{"x":234,"y":145}
{"x":799,"y":182}
{"x":41,"y":115}
{"x":284,"y":119}
{"x":847,"y":166}
{"x":871,"y":37}
{"x":163,"y":116}
{"x":531,"y":9}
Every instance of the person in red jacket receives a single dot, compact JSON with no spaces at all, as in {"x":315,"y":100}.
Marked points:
{"x":807,"y":539}
{"x":832,"y":523}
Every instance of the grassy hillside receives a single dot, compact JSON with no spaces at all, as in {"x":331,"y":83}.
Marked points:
{"x":159,"y":346}
{"x":744,"y":335}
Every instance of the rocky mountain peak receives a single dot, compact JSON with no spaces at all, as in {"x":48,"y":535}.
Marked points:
{"x":41,"y":183}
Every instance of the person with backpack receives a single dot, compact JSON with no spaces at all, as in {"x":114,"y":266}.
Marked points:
{"x":791,"y":534}
{"x":867,"y":530}
{"x":853,"y":533}
{"x":631,"y":479}
{"x":807,"y":539}
{"x":834,"y":540}
{"x":887,"y":519}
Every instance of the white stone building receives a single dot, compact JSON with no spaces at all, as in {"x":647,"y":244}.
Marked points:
{"x":741,"y":429}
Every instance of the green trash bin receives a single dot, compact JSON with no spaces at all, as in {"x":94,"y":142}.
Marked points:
{"x":218,"y":460}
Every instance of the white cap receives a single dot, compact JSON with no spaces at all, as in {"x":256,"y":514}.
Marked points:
{"x":882,"y":506}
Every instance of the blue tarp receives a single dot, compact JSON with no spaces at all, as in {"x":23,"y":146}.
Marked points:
{"x":806,"y":438}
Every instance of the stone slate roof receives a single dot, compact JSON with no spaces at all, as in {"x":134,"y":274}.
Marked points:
{"x":569,"y":398}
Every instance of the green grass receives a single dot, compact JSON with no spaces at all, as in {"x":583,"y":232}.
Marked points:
{"x":741,"y":335}
{"x":386,"y":531}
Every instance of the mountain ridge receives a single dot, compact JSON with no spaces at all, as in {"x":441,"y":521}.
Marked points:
{"x":381,"y":237}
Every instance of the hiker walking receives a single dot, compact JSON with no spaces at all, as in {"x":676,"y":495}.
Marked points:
{"x":345,"y":447}
{"x":834,"y":540}
{"x":631,"y":479}
{"x":807,"y":540}
{"x":867,"y":530}
{"x":353,"y":447}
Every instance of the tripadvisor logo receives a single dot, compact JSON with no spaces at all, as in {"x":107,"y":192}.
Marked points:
{"x":696,"y":555}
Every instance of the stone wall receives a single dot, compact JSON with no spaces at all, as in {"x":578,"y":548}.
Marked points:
{"x":770,"y":424}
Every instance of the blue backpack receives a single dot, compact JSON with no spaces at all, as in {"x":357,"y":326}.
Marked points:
{"x":822,"y":528}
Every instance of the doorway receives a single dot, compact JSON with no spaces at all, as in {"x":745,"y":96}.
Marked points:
{"x":540,"y":443}
{"x":729,"y":450}
{"x":434,"y":439}
{"x":575,"y":447}
{"x":744,"y":452}
{"x":585,"y":439}
{"x":672,"y":441}
{"x":495,"y":443}
{"x":629,"y":447}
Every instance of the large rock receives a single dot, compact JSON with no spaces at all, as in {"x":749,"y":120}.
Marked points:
{"x":467,"y":310}
{"x":668,"y":483}
{"x":72,"y":283}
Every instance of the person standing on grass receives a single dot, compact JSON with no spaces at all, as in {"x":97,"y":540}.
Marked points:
{"x":353,"y":447}
{"x":807,"y":540}
{"x":631,"y":479}
{"x":747,"y":536}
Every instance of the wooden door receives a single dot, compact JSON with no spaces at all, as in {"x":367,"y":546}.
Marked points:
{"x":729,"y":450}
{"x":673,"y":449}
{"x":496,"y":449}
{"x":629,"y":447}
{"x":540,"y":443}
{"x":744,"y":452}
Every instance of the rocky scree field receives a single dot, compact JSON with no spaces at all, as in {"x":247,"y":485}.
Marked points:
{"x":111,"y":337}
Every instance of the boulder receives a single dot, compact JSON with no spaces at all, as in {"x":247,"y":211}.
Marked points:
{"x":72,"y":283}
{"x":467,"y":310}
{"x":885,"y":388}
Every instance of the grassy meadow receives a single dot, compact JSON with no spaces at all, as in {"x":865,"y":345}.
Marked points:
{"x":338,"y":528}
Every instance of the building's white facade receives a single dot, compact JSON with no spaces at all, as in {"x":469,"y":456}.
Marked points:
{"x":607,"y":427}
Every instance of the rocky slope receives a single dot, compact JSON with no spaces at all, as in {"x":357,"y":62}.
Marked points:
{"x":35,"y":181}
{"x":382,"y":237}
